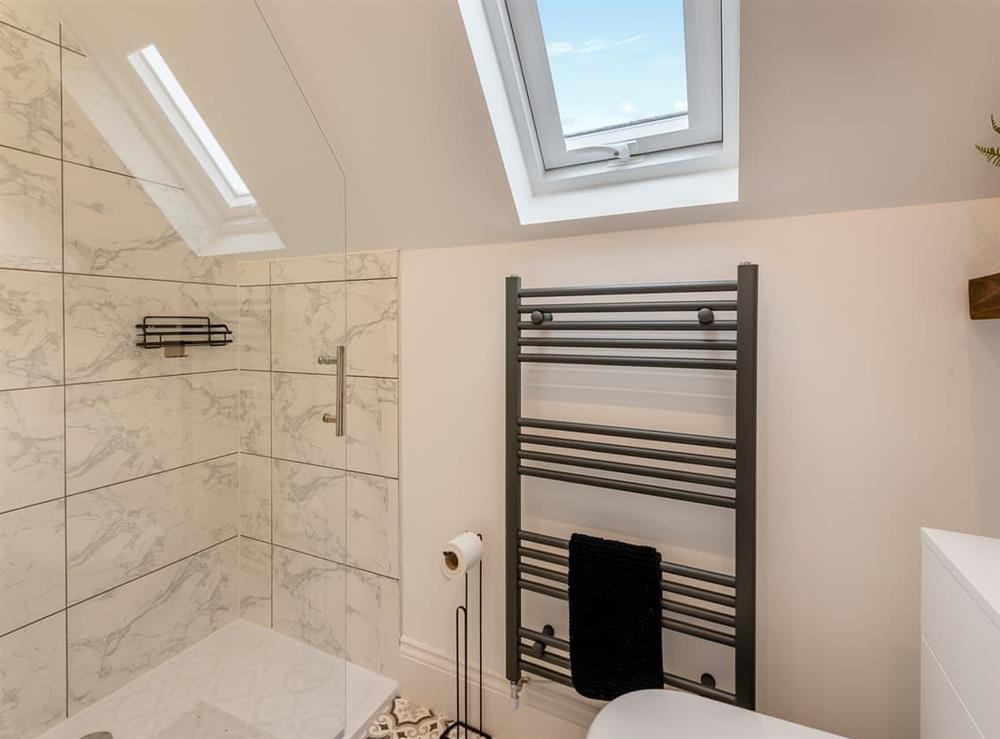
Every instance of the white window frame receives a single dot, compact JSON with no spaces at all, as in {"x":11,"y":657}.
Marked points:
{"x":700,"y":124}
{"x":159,"y":79}
{"x":694,"y":175}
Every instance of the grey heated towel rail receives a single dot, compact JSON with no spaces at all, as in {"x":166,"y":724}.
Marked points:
{"x":712,"y":606}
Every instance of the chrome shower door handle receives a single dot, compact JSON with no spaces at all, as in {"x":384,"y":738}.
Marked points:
{"x":338,"y":416}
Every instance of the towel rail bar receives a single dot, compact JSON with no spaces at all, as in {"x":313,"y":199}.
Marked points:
{"x":709,"y":596}
{"x":674,"y":681}
{"x":673,"y":568}
{"x":670,"y":437}
{"x":556,"y":559}
{"x":552,"y":659}
{"x":670,"y":624}
{"x":668,"y":586}
{"x":553,"y":675}
{"x":609,"y":361}
{"x":608,"y":483}
{"x":668,"y":287}
{"x":724,"y":345}
{"x":662,"y":473}
{"x":628,"y":326}
{"x":670,"y":679}
{"x":552,"y":641}
{"x":705,"y":460}
{"x":705,"y":614}
{"x":634,"y":307}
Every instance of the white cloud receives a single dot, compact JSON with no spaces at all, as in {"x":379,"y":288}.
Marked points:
{"x":680,"y":105}
{"x":589,"y":46}
{"x":627,"y":108}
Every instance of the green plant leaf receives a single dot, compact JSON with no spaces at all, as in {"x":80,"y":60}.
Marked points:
{"x":992,"y":154}
{"x":996,"y":126}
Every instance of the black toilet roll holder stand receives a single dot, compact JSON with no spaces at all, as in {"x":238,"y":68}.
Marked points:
{"x":460,"y":728}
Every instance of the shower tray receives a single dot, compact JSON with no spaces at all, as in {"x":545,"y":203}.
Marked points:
{"x":242,"y":682}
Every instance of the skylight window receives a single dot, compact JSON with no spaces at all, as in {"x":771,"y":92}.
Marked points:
{"x":185,"y":118}
{"x":610,"y":79}
{"x":615,"y":67}
{"x":597,"y":94}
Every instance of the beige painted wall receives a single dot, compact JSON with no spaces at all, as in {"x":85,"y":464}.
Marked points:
{"x":879,"y":413}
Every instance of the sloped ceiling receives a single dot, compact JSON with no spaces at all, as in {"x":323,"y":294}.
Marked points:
{"x":844,"y":105}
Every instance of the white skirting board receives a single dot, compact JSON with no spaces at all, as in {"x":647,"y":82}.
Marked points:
{"x":547,"y":710}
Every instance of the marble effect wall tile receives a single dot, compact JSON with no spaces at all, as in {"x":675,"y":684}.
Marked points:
{"x":372,"y":334}
{"x":255,"y":496}
{"x":29,"y":93}
{"x":121,"y":532}
{"x":372,"y":425}
{"x":253,"y":273}
{"x":32,"y":568}
{"x":99,"y":129}
{"x":101,"y":313}
{"x":373,"y":523}
{"x":33,"y":678}
{"x":34,"y":16}
{"x":307,"y":321}
{"x":373,"y":622}
{"x":299,"y":431}
{"x":31,"y":203}
{"x":369,"y":265}
{"x":31,"y":329}
{"x":115,"y":225}
{"x":255,"y":581}
{"x":324,"y":268}
{"x":310,"y":509}
{"x":116,"y":637}
{"x":32,"y":460}
{"x":309,"y":600}
{"x":121,"y":430}
{"x":255,"y":412}
{"x":69,"y":40}
{"x":253,"y":330}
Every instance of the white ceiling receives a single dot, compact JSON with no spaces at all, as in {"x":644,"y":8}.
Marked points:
{"x":845,"y":105}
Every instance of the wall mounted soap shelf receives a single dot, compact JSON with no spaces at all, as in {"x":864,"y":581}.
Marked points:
{"x":174,"y":334}
{"x":984,"y":297}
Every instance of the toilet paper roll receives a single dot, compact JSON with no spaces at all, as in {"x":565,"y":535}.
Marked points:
{"x":461,"y":553}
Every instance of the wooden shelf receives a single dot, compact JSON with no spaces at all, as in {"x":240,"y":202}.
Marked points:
{"x":984,"y":297}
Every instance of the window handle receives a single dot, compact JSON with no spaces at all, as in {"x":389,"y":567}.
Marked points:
{"x":622,"y":152}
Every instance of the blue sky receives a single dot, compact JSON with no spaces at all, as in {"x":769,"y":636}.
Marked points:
{"x":615,"y":61}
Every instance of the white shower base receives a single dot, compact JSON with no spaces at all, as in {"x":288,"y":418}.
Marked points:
{"x":242,"y":682}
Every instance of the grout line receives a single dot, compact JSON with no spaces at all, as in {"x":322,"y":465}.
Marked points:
{"x":33,"y":622}
{"x":325,"y":559}
{"x":62,"y":270}
{"x":57,"y":44}
{"x":89,"y":166}
{"x":324,"y":466}
{"x":151,"y":474}
{"x":151,"y":572}
{"x":127,"y":175}
{"x":149,"y":377}
{"x":327,"y":374}
{"x":119,"y":277}
{"x":325,"y":282}
{"x":61,"y":496}
{"x":29,"y":151}
{"x":270,"y":418}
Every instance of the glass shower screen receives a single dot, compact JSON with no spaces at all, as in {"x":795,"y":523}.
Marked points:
{"x":223,"y":179}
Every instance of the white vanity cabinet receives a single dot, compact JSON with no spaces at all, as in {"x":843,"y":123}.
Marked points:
{"x":960,"y":636}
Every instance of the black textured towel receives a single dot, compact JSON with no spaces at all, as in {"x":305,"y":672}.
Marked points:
{"x":614,"y":617}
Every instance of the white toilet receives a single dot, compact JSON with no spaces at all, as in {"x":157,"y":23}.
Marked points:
{"x":668,"y":714}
